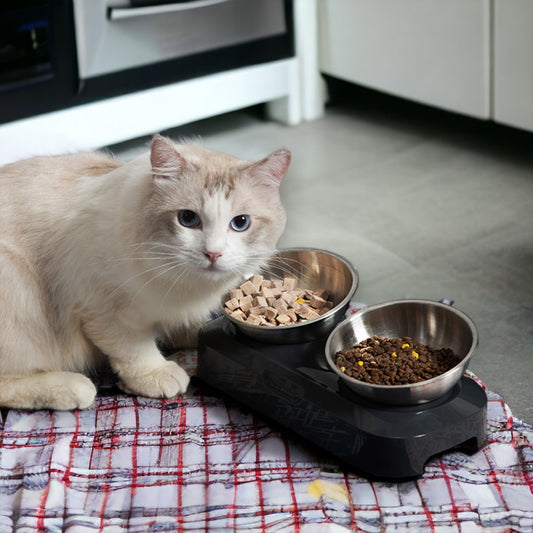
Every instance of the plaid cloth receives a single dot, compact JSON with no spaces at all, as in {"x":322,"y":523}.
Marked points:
{"x":200,"y":463}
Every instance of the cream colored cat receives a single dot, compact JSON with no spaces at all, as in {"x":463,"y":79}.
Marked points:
{"x":100,"y":257}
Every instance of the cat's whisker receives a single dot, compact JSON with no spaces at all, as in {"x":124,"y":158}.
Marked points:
{"x":166,"y":268}
{"x":142,"y":273}
{"x":157,"y":245}
{"x":148,"y":254}
{"x":156,"y":255}
{"x":183,"y":274}
{"x":283,"y":264}
{"x":139,"y":258}
{"x":153,"y":246}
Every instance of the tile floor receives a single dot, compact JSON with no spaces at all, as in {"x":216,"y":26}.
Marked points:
{"x":426,"y":204}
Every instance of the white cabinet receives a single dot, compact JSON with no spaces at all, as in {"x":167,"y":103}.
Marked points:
{"x":431,"y":51}
{"x":513,"y":63}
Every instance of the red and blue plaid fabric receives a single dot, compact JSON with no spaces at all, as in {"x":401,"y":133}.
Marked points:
{"x":200,"y":463}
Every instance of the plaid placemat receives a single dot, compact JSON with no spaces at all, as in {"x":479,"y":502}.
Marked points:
{"x":200,"y":463}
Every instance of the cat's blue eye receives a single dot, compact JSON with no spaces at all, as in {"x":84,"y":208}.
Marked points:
{"x":188,"y":218}
{"x":240,"y":223}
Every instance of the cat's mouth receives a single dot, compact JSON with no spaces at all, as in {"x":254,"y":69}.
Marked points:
{"x":214,"y":269}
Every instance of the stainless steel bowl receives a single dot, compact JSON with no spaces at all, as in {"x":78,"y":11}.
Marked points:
{"x":432,"y":323}
{"x":313,"y":269}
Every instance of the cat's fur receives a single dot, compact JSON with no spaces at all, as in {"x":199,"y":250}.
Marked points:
{"x":94,"y":261}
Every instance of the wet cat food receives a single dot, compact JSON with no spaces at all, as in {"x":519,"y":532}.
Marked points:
{"x":398,"y":361}
{"x":264,"y":302}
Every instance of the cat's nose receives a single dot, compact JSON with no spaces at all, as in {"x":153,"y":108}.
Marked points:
{"x":212,"y":256}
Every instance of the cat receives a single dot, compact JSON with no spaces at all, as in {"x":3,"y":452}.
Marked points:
{"x":98,"y":258}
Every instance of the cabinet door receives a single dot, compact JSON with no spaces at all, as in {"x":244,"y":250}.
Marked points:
{"x":432,"y":51}
{"x":513,"y":63}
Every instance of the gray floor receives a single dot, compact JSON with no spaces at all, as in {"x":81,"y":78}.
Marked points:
{"x":425,"y":205}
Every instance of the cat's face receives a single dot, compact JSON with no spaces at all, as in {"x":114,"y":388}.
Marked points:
{"x":211,"y":215}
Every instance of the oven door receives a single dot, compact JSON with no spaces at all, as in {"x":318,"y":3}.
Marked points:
{"x":115,"y":35}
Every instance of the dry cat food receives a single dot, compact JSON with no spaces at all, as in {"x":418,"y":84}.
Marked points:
{"x":399,"y":361}
{"x":264,"y":302}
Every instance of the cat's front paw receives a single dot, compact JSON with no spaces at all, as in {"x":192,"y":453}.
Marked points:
{"x":63,"y":391}
{"x":165,"y":381}
{"x":79,"y":393}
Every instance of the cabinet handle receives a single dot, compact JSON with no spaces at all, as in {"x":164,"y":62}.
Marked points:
{"x":119,"y":13}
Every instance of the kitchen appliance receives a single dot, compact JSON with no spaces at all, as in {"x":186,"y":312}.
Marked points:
{"x":292,"y":385}
{"x":55,"y":55}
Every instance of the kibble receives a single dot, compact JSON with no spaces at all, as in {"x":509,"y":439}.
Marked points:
{"x":266,"y":302}
{"x":394,"y":361}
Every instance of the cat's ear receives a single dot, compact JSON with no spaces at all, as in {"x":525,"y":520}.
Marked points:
{"x":166,"y":161}
{"x":270,"y":171}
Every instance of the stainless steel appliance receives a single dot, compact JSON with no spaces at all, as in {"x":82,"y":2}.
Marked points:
{"x":61,"y":53}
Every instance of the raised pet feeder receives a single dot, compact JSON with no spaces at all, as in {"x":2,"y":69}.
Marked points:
{"x":381,"y":433}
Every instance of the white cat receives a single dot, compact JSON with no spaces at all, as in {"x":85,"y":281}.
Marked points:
{"x":100,"y":257}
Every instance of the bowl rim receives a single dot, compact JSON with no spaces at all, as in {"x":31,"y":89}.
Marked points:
{"x":345,"y":301}
{"x":408,"y":386}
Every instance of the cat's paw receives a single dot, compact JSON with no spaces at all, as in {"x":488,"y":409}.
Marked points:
{"x":165,"y":381}
{"x":79,"y":393}
{"x":61,"y":391}
{"x":64,"y":391}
